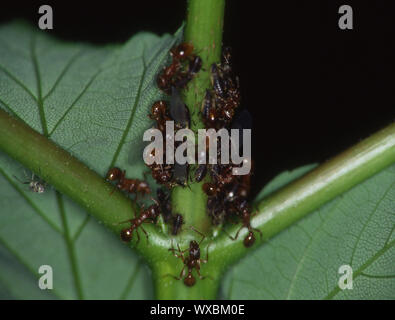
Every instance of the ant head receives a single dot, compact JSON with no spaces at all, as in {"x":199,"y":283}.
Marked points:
{"x":127,"y":234}
{"x":182,"y":51}
{"x":165,"y":177}
{"x":249,"y":239}
{"x":193,"y":244}
{"x":209,"y":189}
{"x":113,"y":174}
{"x":158,"y":107}
{"x":189,"y":280}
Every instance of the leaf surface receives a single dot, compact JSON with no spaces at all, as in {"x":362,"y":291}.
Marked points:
{"x":303,"y":261}
{"x":93,"y":102}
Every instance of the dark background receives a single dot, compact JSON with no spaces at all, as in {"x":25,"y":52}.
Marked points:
{"x":313,"y":90}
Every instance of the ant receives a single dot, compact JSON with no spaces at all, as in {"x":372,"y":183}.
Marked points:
{"x":37,"y":186}
{"x":182,"y":52}
{"x":128,"y":185}
{"x":246,"y":223}
{"x":162,"y":174}
{"x":159,"y":114}
{"x":172,"y":74}
{"x":192,"y":261}
{"x":148,"y":215}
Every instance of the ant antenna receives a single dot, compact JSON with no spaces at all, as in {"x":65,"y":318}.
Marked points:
{"x":197,"y":231}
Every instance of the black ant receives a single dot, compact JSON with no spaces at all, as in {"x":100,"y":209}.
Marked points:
{"x":192,"y":261}
{"x":37,"y":186}
{"x":148,"y":215}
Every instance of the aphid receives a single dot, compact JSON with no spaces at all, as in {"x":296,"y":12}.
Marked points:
{"x":165,"y":205}
{"x":178,"y":110}
{"x":182,"y":78}
{"x":37,"y":186}
{"x":180,"y":174}
{"x":216,"y":209}
{"x":200,"y":172}
{"x":211,"y":115}
{"x":194,"y":66}
{"x":148,"y":215}
{"x":177,"y":222}
{"x":129,"y":185}
{"x":192,"y":261}
{"x":226,"y":60}
{"x":217,"y":82}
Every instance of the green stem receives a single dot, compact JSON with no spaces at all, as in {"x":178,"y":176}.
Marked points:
{"x":291,"y":203}
{"x":276,"y":212}
{"x":67,"y":174}
{"x":279,"y":210}
{"x":204,"y":31}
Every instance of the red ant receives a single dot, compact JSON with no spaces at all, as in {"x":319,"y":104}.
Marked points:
{"x":148,"y":215}
{"x":246,"y":223}
{"x":192,"y":261}
{"x":159,"y":114}
{"x":128,"y":185}
{"x":172,"y":75}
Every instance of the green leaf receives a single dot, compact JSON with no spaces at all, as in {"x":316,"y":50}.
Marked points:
{"x":302,"y":262}
{"x":93,"y":102}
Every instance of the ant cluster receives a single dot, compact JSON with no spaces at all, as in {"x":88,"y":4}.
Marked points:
{"x":227,"y":193}
{"x":184,"y":66}
{"x":219,"y":105}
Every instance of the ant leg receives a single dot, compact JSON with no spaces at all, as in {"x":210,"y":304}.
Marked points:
{"x":146,"y":234}
{"x":257,"y":230}
{"x":122,"y":222}
{"x":170,"y":275}
{"x":182,"y":273}
{"x":202,"y":277}
{"x":138,"y":237}
{"x":237,"y":234}
{"x":113,"y":191}
{"x":205,"y":261}
{"x":24,"y":182}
